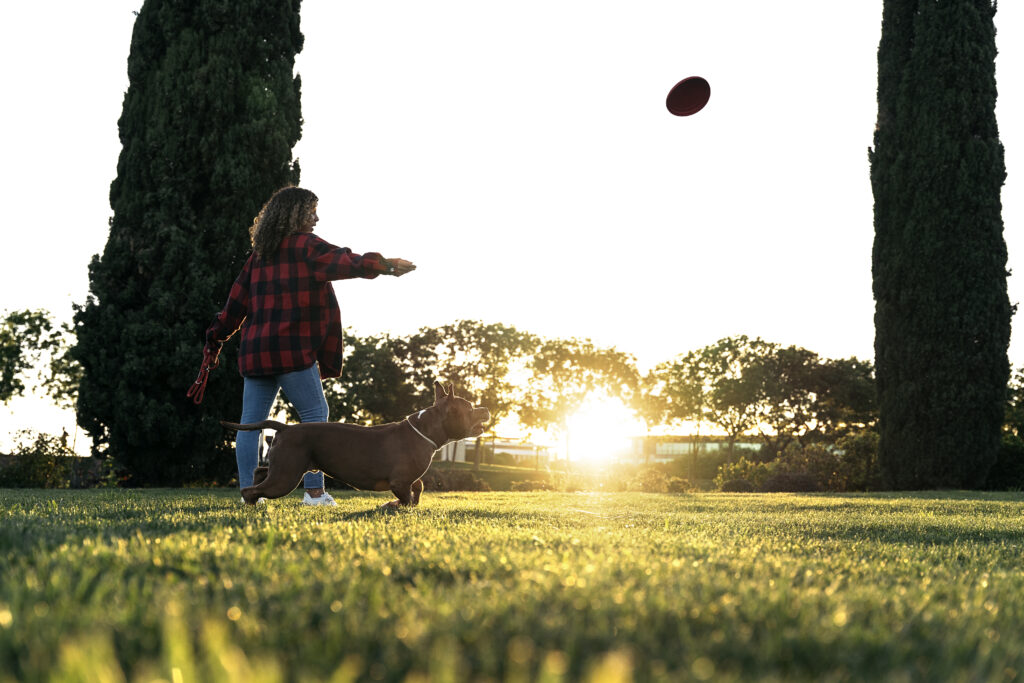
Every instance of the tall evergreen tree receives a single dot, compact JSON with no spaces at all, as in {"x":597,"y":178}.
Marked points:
{"x":942,"y":315}
{"x":207,"y":127}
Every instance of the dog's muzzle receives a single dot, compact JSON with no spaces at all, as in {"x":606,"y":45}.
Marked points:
{"x":479,"y":417}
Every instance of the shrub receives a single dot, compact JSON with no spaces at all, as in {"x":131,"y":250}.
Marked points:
{"x":649,"y":481}
{"x":737,"y":486}
{"x":791,"y":482}
{"x":678,"y":485}
{"x":501,"y":458}
{"x":858,"y":456}
{"x":652,"y":480}
{"x":816,"y":462}
{"x":94,"y":473}
{"x":466,"y":481}
{"x":849,"y":465}
{"x":39,"y":461}
{"x":570,"y":482}
{"x":434,"y":480}
{"x":1008,"y":472}
{"x":531,"y":485}
{"x":753,"y":472}
{"x":454,"y":480}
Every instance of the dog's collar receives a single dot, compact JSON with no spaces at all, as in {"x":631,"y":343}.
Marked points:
{"x":429,"y":440}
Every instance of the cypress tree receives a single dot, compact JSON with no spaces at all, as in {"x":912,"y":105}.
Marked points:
{"x":942,"y":315}
{"x":207,"y":127}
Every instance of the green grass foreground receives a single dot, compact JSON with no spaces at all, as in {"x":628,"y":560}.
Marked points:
{"x":189,"y":585}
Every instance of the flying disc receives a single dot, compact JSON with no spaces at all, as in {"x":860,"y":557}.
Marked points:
{"x":688,"y":96}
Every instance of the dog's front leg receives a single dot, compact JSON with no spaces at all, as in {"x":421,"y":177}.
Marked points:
{"x":404,"y":493}
{"x":417,"y":489}
{"x":408,"y":495}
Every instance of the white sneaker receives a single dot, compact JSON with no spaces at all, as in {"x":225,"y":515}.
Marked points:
{"x":322,"y":500}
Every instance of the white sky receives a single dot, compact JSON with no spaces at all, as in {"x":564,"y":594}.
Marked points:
{"x":521,"y":154}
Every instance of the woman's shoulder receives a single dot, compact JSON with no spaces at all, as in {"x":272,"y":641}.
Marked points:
{"x":300,"y":243}
{"x":299,"y":238}
{"x":313,"y":243}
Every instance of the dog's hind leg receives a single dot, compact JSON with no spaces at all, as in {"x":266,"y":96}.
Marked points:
{"x":271,"y":487}
{"x":283,"y":475}
{"x":259,"y":475}
{"x":252,"y":494}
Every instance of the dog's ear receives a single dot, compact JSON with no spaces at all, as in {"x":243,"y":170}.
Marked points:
{"x":439,"y":391}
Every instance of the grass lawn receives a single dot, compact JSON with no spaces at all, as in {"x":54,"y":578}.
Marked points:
{"x":183,"y":585}
{"x":498,"y":477}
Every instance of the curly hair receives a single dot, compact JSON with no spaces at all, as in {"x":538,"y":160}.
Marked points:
{"x":288,"y":211}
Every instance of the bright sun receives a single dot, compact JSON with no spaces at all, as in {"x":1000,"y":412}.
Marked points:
{"x":602,"y":430}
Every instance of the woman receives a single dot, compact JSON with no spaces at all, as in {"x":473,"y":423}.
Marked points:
{"x":284,"y":304}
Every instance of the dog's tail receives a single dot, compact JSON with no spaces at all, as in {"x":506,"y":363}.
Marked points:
{"x":266,"y":424}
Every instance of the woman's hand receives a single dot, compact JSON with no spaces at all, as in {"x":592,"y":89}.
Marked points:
{"x":210,"y":361}
{"x":398,"y":266}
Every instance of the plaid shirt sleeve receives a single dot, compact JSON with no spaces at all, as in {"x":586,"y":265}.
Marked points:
{"x":230,"y":319}
{"x":329,"y":262}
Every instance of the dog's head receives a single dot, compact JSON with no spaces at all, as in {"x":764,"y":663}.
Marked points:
{"x":461,"y":419}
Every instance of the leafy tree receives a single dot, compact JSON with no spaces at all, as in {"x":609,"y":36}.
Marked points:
{"x":27,"y":339}
{"x":479,"y":359}
{"x":387,"y":378}
{"x":806,"y":398}
{"x":563,"y":373}
{"x":787,"y":394}
{"x":207,"y":127}
{"x":942,"y":316}
{"x":846,"y":399}
{"x":734,"y":392}
{"x":787,"y":382}
{"x":375,"y":386}
{"x":683,"y":385}
{"x":683,"y":389}
{"x":649,"y":402}
{"x":61,"y":383}
{"x":22,"y":335}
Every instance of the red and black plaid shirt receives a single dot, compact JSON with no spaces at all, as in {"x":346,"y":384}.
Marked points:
{"x":287,"y":309}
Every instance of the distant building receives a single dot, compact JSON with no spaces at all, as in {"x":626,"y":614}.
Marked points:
{"x":497,"y":449}
{"x":669,"y":448}
{"x":456,"y":450}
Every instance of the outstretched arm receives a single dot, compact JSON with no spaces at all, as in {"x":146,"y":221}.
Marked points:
{"x":340,"y":263}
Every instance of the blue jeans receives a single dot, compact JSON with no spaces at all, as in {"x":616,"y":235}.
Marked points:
{"x":304,"y":390}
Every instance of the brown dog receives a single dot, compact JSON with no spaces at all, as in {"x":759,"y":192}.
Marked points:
{"x":391,"y":457}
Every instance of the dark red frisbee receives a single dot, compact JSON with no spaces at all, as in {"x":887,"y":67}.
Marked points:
{"x":688,"y":96}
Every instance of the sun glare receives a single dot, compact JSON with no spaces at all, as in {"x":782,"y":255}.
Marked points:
{"x":602,"y":430}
